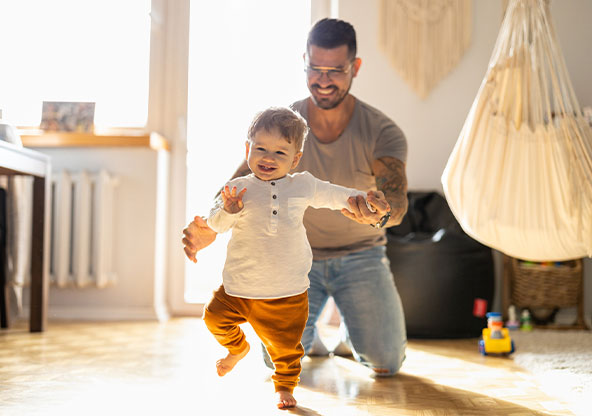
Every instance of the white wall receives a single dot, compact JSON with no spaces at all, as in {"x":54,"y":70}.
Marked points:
{"x":139,"y":244}
{"x":433,"y":125}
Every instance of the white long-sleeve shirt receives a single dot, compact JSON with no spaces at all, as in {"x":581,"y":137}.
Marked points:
{"x":268,"y":255}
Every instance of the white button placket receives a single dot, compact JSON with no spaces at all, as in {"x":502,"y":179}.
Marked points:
{"x":274,"y":206}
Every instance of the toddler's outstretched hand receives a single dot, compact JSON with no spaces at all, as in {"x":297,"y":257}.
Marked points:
{"x":367,"y":210}
{"x":233,"y":203}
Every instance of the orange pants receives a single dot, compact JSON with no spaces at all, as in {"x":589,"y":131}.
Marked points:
{"x":279,"y":323}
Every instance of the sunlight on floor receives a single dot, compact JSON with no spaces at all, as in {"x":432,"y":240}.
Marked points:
{"x":154,"y":368}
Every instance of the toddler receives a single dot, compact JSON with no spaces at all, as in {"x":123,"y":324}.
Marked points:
{"x":265,"y":277}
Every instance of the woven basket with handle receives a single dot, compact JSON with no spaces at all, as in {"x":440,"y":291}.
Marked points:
{"x":538,"y":286}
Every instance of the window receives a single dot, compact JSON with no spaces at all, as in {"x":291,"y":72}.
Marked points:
{"x":73,"y":50}
{"x":244,"y":56}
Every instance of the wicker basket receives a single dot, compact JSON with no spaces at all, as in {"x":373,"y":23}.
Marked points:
{"x":538,"y":286}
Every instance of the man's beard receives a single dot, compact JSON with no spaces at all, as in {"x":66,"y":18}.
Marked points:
{"x":328,"y":103}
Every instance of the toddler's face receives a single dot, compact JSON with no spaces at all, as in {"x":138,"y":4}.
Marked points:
{"x":270,"y":156}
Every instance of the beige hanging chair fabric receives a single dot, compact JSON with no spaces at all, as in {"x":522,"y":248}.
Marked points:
{"x":424,"y":39}
{"x":520,"y":176}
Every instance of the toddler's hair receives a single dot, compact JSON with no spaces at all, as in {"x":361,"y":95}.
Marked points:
{"x":287,"y":122}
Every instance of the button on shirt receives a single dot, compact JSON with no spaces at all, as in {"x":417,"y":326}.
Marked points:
{"x":268,"y":255}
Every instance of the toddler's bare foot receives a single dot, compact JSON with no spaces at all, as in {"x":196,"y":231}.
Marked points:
{"x":227,"y":363}
{"x":285,"y":400}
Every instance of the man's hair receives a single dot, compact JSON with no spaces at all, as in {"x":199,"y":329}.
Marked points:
{"x":290,"y":125}
{"x":331,"y":33}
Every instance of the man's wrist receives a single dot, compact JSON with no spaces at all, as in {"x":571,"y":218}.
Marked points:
{"x":382,"y":221}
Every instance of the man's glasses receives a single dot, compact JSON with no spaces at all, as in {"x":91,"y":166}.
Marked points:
{"x":334,"y":73}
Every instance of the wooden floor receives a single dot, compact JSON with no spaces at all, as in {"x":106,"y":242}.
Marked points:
{"x":169,"y":369}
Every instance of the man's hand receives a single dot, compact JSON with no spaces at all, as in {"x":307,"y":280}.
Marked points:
{"x":233,"y":203}
{"x":197,"y":236}
{"x":359,"y":211}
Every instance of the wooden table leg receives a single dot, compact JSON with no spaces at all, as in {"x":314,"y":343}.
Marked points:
{"x":4,"y":295}
{"x":39,"y":281}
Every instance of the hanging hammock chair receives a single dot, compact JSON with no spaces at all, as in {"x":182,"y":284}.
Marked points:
{"x":519,"y":178}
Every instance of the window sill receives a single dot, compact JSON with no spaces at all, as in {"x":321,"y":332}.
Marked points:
{"x":124,"y":137}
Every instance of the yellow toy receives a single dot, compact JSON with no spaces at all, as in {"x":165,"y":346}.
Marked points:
{"x":495,"y":338}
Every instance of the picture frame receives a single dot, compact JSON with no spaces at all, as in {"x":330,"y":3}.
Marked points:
{"x":68,"y":116}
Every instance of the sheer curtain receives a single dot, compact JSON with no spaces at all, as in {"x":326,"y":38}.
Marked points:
{"x":244,"y":56}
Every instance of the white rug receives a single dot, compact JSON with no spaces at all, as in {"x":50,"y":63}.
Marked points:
{"x":562,"y":360}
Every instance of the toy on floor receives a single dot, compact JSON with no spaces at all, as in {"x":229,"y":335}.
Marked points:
{"x":525,"y":320}
{"x":512,"y":322}
{"x":495,"y":338}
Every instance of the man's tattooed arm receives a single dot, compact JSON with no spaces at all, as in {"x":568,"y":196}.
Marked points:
{"x":392,"y":181}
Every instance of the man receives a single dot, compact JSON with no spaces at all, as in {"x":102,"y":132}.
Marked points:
{"x":352,"y":144}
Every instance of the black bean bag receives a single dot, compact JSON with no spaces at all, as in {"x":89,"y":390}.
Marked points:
{"x":444,"y":277}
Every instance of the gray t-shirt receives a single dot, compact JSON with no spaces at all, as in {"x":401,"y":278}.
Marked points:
{"x":348,"y":162}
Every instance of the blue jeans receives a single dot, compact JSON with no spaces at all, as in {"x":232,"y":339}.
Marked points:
{"x":363,"y":288}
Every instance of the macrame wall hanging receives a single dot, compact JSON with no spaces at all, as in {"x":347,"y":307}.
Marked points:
{"x":520,"y":176}
{"x":424,"y":39}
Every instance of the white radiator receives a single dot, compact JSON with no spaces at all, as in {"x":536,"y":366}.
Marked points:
{"x":82,"y":237}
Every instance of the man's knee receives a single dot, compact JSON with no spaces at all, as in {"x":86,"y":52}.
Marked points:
{"x":386,"y":371}
{"x":383,"y":372}
{"x":390,"y":364}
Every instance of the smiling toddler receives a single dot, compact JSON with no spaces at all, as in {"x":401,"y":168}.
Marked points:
{"x":265,"y":277}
